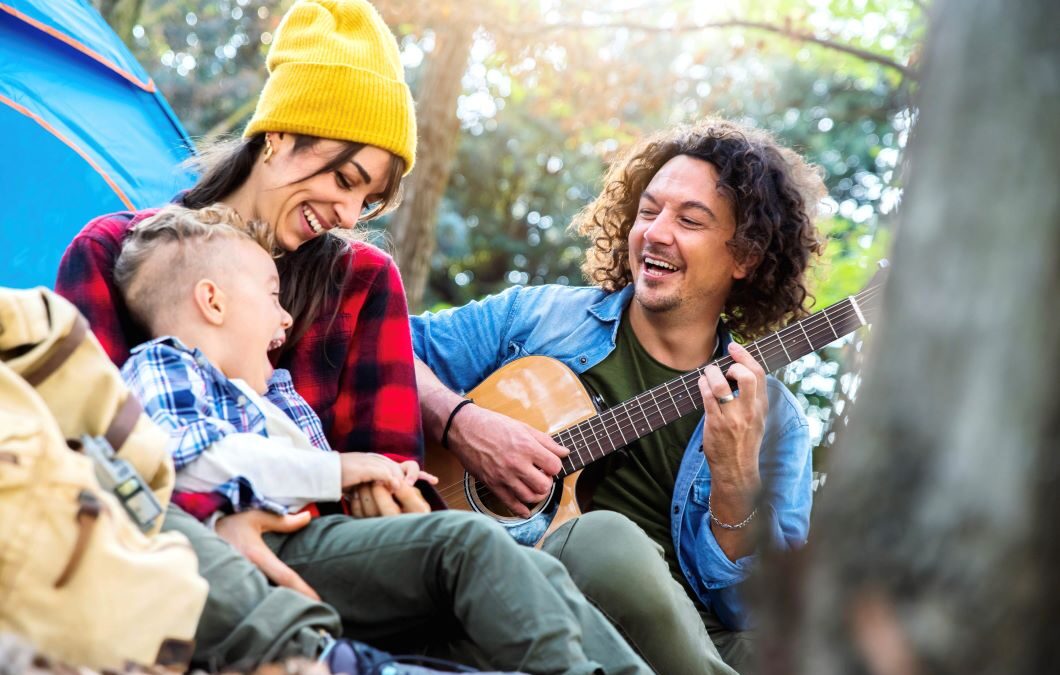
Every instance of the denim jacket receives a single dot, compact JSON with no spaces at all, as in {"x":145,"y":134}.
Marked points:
{"x":578,"y":326}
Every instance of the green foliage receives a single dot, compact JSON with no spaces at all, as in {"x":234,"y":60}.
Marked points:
{"x":207,"y":57}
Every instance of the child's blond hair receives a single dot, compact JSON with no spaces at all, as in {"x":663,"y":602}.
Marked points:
{"x":163,"y":256}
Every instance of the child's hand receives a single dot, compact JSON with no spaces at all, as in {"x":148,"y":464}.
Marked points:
{"x":369,"y":467}
{"x":413,"y":473}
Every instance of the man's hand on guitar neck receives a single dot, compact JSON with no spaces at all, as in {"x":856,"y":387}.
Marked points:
{"x":515,"y":461}
{"x":732,"y":436}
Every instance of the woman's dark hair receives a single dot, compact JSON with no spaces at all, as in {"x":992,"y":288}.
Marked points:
{"x":773,"y":193}
{"x":312,"y":277}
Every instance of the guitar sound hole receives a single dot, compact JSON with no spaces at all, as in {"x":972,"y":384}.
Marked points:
{"x":484,"y":500}
{"x":492,"y":503}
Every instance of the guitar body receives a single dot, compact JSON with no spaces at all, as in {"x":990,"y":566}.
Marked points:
{"x":548,"y":396}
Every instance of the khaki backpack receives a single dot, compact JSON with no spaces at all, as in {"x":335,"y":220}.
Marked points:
{"x":77,"y":577}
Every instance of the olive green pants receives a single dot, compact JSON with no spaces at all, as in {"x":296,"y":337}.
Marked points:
{"x":623,"y":572}
{"x":449,"y":583}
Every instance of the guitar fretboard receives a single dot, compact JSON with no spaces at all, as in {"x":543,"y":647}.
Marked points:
{"x":617,"y":427}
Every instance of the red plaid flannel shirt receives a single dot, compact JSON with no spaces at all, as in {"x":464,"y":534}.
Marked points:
{"x":354,"y":368}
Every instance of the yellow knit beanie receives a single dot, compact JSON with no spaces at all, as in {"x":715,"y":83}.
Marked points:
{"x":335,"y":72}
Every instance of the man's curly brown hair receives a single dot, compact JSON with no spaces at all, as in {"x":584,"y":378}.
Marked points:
{"x":774,"y":194}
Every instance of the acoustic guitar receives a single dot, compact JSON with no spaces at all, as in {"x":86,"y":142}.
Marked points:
{"x":549,"y":396}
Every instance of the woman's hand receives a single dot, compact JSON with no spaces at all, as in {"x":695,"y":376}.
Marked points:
{"x":369,"y":501}
{"x":244,"y":532}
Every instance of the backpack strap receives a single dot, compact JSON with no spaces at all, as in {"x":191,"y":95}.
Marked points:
{"x":128,"y":412}
{"x":124,"y":420}
{"x":64,"y":349}
{"x":87,"y":515}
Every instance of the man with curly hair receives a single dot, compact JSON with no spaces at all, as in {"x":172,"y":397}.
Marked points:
{"x":700,"y":239}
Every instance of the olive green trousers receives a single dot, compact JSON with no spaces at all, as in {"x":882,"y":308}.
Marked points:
{"x":623,"y":572}
{"x":446,"y":584}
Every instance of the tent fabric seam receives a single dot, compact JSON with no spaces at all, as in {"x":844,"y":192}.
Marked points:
{"x":70,"y":144}
{"x":148,"y":86}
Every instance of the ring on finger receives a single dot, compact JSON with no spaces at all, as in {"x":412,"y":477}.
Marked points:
{"x":722,"y":400}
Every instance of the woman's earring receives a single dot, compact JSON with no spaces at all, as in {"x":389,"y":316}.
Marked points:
{"x":268,"y":150}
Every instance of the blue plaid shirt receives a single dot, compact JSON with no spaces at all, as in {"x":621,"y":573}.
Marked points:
{"x":198,"y":405}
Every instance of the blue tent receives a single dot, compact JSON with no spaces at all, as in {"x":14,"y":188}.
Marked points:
{"x":83,"y":131}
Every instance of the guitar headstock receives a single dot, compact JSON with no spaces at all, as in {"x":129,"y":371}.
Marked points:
{"x":870,"y":297}
{"x":883,"y":269}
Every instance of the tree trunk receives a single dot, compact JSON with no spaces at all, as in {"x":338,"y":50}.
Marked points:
{"x":122,"y":15}
{"x":413,"y":224}
{"x":935,"y":548}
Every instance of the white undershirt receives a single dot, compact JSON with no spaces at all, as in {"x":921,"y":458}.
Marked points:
{"x":285,"y":467}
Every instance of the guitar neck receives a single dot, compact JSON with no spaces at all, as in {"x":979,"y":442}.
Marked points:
{"x":617,"y":427}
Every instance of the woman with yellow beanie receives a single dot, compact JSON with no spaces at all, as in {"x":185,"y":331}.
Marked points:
{"x":333,"y":134}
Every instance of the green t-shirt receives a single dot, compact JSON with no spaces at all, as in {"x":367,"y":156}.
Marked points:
{"x":640,"y":485}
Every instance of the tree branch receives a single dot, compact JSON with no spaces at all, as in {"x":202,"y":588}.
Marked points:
{"x":652,"y":5}
{"x":790,"y":33}
{"x":801,"y":36}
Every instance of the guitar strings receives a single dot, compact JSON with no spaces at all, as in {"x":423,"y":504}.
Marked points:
{"x":815,"y":326}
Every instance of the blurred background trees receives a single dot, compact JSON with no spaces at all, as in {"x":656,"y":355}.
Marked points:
{"x":934,"y":549}
{"x":520,"y":105}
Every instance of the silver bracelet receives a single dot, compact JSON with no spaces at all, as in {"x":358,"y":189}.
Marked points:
{"x":726,"y":526}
